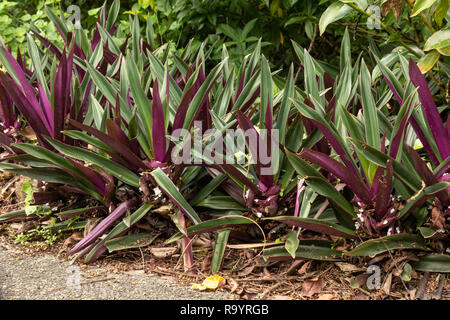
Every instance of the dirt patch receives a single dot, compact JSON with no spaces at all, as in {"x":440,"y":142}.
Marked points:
{"x":42,"y":276}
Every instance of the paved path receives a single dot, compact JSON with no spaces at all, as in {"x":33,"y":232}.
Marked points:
{"x":45,"y":277}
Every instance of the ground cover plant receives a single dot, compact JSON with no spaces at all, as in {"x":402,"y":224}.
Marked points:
{"x":131,"y":138}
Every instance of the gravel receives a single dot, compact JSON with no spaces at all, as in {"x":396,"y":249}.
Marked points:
{"x":45,"y":277}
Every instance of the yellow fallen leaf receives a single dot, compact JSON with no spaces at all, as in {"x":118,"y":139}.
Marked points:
{"x":214,"y":282}
{"x":199,"y":287}
{"x":210,"y":283}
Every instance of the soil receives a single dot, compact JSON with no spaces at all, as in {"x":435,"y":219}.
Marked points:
{"x":43,"y":276}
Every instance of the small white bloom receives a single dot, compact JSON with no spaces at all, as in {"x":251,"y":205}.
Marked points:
{"x":392,"y":210}
{"x":361,"y":210}
{"x":247,"y":193}
{"x":357,"y":225}
{"x":360,"y":216}
{"x":389,"y":232}
{"x":385,"y":222}
{"x":397,"y":230}
{"x":259,"y":214}
{"x":157,"y":192}
{"x":55,"y":209}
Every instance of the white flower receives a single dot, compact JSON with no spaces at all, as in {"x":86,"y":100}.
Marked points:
{"x":392,"y":210}
{"x":357,"y":225}
{"x":157,"y":192}
{"x":360,"y":216}
{"x":259,"y":214}
{"x":389,"y":232}
{"x":385,"y":222}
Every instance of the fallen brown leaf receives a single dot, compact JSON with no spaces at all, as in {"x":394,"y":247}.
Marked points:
{"x":304,"y":267}
{"x":279,"y":297}
{"x":361,"y":279}
{"x":163,"y":252}
{"x":361,"y":296}
{"x":206,"y":263}
{"x":311,"y":287}
{"x":74,"y":238}
{"x":438,"y":218}
{"x":387,"y":284}
{"x":326,"y":296}
{"x":347,"y":267}
{"x":201,"y":242}
{"x":246,"y":271}
{"x":233,"y":284}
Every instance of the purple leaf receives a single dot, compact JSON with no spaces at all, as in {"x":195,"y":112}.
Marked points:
{"x":114,"y":130}
{"x":6,"y":108}
{"x":47,"y":108}
{"x":246,"y":125}
{"x":431,"y":112}
{"x":395,"y":144}
{"x":26,"y":108}
{"x":28,"y":92}
{"x":383,"y":195}
{"x":336,"y":146}
{"x":413,"y":122}
{"x":180,"y":117}
{"x":427,"y":175}
{"x":93,"y":176}
{"x":300,"y":188}
{"x":103,"y":226}
{"x":228,"y":170}
{"x":48,"y":45}
{"x":340,"y":171}
{"x":116,"y":145}
{"x":317,"y":226}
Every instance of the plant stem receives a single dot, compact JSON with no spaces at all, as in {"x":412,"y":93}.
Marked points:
{"x":427,"y":23}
